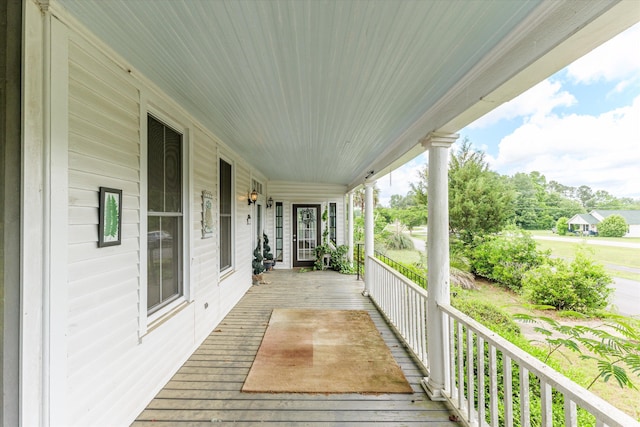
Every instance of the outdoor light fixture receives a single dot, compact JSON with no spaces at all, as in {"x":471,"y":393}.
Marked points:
{"x":270,"y":202}
{"x":252,"y":197}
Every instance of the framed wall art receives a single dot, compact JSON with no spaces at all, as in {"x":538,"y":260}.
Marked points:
{"x":207,"y":214}
{"x":109,"y":217}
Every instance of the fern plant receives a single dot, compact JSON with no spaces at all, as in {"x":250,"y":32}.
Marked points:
{"x":614,"y":345}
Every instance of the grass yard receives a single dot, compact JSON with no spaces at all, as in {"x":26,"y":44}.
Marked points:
{"x":569,"y":236}
{"x":609,"y":256}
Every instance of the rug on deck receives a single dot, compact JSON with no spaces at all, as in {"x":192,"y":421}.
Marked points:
{"x":324,"y":351}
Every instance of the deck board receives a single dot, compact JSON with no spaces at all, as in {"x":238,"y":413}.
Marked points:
{"x":206,"y":389}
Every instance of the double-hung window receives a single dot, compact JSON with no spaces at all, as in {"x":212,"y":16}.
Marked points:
{"x":226,"y":215}
{"x":164,"y":215}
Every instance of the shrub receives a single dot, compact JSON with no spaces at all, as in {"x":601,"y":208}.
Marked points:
{"x":399,"y":241}
{"x":506,"y":257}
{"x":562,"y":226}
{"x":257,"y":260}
{"x":488,"y":315}
{"x":613,"y":226}
{"x":581,"y":286}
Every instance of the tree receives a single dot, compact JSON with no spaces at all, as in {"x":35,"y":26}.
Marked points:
{"x":413,"y":217}
{"x":585,"y":194}
{"x":480,"y":200}
{"x":419,"y":189}
{"x":358,"y":197}
{"x":401,"y":202}
{"x":562,"y":226}
{"x":613,"y":226}
{"x":527,"y":209}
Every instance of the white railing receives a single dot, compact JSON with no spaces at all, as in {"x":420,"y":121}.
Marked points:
{"x":479,"y":359}
{"x":403,"y":303}
{"x":470,"y":343}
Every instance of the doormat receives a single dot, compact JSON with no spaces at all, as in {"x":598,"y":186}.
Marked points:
{"x":324,"y":351}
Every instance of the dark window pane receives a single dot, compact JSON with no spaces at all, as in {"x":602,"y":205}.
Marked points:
{"x":332,"y":222}
{"x":173,"y":171}
{"x":279,"y":231}
{"x":225,"y":242}
{"x":170,"y":244}
{"x":154,"y":262}
{"x":225,"y":187}
{"x":155,"y":165}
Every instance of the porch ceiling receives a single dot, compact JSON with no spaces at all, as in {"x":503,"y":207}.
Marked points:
{"x":325,"y":91}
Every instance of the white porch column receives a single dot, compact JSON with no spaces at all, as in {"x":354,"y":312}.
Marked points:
{"x":350,"y":229}
{"x":368,"y":233}
{"x":437,"y":260}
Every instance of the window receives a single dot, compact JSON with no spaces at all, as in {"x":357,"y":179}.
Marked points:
{"x":164,"y":215}
{"x":226,"y":223}
{"x":332,"y":222}
{"x":279,"y":231}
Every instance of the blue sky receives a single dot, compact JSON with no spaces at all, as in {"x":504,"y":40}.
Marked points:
{"x":580,"y":126}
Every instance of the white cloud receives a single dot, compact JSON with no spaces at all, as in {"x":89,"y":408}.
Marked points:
{"x":617,"y":59}
{"x":537,"y":101}
{"x":602,"y":151}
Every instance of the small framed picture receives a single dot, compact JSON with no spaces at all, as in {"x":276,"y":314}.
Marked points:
{"x":110,"y":217}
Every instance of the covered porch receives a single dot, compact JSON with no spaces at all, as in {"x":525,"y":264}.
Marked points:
{"x":207,"y":387}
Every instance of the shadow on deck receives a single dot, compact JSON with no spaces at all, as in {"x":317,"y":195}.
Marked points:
{"x":206,"y":389}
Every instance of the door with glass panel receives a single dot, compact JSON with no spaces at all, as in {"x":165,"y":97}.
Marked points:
{"x":306,"y":234}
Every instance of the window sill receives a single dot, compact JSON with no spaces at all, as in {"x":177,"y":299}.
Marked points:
{"x":226,"y":274}
{"x":160,"y":317}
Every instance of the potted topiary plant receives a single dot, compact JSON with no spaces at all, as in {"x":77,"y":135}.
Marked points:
{"x":258,"y":268}
{"x":268,"y":262}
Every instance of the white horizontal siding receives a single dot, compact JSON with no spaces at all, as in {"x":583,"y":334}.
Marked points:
{"x":102,"y":282}
{"x":300,"y":192}
{"x":111,"y":371}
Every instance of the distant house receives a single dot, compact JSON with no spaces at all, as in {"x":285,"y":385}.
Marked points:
{"x":589,"y":222}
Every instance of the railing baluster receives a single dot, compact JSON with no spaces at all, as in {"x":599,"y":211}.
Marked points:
{"x":460,"y":368}
{"x":481,"y":399}
{"x":570,"y":412}
{"x":470,"y":379}
{"x":452,"y":359}
{"x":508,"y":391}
{"x":493,"y":385}
{"x":545,"y":403}
{"x":525,"y":414}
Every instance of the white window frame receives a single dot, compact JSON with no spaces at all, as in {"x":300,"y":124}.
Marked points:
{"x":179,"y":124}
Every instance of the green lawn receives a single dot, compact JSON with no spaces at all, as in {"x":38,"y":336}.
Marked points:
{"x":613,"y":239}
{"x":606,"y":255}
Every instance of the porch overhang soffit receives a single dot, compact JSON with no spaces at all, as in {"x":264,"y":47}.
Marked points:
{"x":335,"y":89}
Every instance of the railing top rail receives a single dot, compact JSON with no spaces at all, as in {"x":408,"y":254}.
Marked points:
{"x":413,"y":285}
{"x":603,"y":410}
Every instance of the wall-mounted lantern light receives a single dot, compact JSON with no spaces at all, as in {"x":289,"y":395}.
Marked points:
{"x":270,"y":202}
{"x":252,"y":197}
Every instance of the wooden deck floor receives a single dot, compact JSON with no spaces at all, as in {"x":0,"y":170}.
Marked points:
{"x":206,"y":390}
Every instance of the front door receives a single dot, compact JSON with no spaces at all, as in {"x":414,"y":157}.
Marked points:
{"x":306,"y":234}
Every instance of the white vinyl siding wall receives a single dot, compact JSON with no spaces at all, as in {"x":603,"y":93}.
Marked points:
{"x":103,"y":282}
{"x":112,"y":367}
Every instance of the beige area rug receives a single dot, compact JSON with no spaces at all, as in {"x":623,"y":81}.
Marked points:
{"x":324,"y":351}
